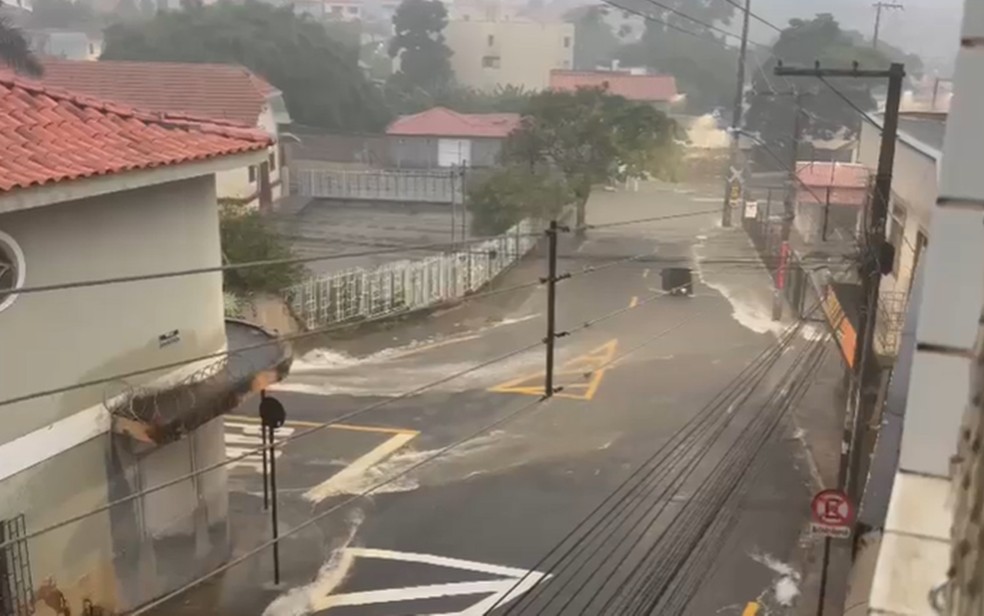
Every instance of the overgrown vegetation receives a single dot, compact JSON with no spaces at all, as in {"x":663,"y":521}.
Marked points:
{"x":592,"y":137}
{"x":509,"y":194}
{"x":246,"y":237}
{"x":320,"y":78}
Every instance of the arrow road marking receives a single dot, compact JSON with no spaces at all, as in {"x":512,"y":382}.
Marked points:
{"x":512,"y":583}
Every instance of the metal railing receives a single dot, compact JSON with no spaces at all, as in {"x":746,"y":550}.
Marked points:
{"x":398,"y":287}
{"x":443,"y":186}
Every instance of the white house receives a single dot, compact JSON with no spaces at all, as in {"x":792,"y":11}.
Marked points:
{"x":95,"y":381}
{"x":215,"y":91}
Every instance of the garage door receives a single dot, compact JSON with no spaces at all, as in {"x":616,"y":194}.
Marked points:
{"x":453,"y":152}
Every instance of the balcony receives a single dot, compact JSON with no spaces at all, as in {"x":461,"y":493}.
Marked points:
{"x":160,"y":415}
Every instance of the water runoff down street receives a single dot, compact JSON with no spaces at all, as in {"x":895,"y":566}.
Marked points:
{"x":670,"y":474}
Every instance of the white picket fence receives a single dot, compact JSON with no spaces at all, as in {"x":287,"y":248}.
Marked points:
{"x":401,"y":286}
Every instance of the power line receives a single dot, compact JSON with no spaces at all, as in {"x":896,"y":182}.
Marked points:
{"x":698,"y":21}
{"x":292,"y":531}
{"x":272,"y":446}
{"x":654,"y":463}
{"x":229,"y":352}
{"x":295,"y":260}
{"x":847,"y":100}
{"x":651,"y":18}
{"x":754,"y":16}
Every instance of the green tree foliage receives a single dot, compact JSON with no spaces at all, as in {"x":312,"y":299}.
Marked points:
{"x":705,"y":71}
{"x":594,"y":42}
{"x":503,"y":99}
{"x":15,"y":51}
{"x":509,"y":194}
{"x":593,"y":137}
{"x":425,"y":60}
{"x":246,"y":237}
{"x":320,"y":79}
{"x":64,"y":14}
{"x":825,"y":114}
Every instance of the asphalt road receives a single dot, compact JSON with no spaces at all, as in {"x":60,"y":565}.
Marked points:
{"x":477,"y":480}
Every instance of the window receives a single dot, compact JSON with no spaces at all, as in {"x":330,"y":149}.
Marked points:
{"x":252,"y":173}
{"x":273,"y":160}
{"x":11,"y":269}
{"x":16,"y":588}
{"x":896,"y":233}
{"x":353,"y":10}
{"x":337,"y":10}
{"x":567,"y":42}
{"x":491,"y":62}
{"x":491,"y":40}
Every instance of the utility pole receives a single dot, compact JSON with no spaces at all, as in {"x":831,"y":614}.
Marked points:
{"x":551,"y":337}
{"x":873,"y":266}
{"x":878,"y":11}
{"x":734,"y":181}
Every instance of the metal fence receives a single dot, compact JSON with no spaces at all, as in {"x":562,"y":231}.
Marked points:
{"x":401,"y":286}
{"x":390,"y":185}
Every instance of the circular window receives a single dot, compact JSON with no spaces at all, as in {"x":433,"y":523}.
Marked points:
{"x":11,"y":269}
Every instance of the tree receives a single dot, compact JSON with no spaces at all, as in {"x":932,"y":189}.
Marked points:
{"x":593,"y":137}
{"x":320,"y":79}
{"x":509,"y":194}
{"x":705,"y":71}
{"x":64,"y":14}
{"x":594,"y":42}
{"x":503,"y":99}
{"x":246,"y":237}
{"x":418,"y":41}
{"x":15,"y":51}
{"x":825,"y":115}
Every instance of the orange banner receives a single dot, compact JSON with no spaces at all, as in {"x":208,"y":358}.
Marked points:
{"x":847,"y":338}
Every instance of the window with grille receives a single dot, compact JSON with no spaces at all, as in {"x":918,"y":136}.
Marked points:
{"x":16,"y":589}
{"x":896,"y":233}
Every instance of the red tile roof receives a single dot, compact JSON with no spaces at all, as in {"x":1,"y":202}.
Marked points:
{"x":442,"y":122}
{"x":642,"y":88}
{"x":848,"y":182}
{"x":222,"y":91}
{"x":52,"y":135}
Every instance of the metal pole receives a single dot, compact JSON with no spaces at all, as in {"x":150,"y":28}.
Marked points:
{"x":736,"y":119}
{"x":266,"y":476}
{"x":273,"y":509}
{"x":874,"y":39}
{"x":826,"y":217}
{"x":823,"y":575}
{"x":548,"y":383}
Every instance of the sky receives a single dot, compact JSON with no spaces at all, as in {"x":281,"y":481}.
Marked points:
{"x":929,"y":28}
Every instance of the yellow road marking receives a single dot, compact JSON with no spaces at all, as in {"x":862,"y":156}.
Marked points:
{"x":579,"y":377}
{"x":633,"y":302}
{"x":314,"y":424}
{"x":751,"y":609}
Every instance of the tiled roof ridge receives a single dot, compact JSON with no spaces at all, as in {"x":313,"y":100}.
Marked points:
{"x":227,"y":128}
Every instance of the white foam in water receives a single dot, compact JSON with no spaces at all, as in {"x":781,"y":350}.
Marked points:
{"x":786,"y":585}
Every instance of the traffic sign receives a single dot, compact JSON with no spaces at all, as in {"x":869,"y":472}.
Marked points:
{"x":832,"y":514}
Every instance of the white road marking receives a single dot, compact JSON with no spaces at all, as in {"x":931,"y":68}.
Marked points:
{"x":707,"y":199}
{"x":513,"y":583}
{"x":645,"y":273}
{"x":242,"y":436}
{"x":335,"y":484}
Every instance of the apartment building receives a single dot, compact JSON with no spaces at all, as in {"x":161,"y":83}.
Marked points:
{"x":499,"y":49}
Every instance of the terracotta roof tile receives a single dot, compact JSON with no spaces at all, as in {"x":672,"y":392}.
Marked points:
{"x":51,"y":135}
{"x":641,"y":88}
{"x":217,"y":91}
{"x":443,"y":122}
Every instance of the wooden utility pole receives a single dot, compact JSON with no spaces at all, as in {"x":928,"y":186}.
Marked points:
{"x":734,"y":180}
{"x":878,"y":11}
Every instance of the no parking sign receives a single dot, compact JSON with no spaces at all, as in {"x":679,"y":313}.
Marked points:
{"x":832,"y":514}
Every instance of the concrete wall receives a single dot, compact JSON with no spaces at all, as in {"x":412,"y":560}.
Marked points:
{"x":63,"y":337}
{"x":526,"y":50}
{"x":421,"y":152}
{"x":130,"y":554}
{"x":914,"y":189}
{"x":236,"y":183}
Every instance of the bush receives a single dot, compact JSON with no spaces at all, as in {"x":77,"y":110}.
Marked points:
{"x":508,"y":195}
{"x":246,"y":237}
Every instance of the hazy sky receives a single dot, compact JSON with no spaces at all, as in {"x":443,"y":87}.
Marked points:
{"x":927,"y":27}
